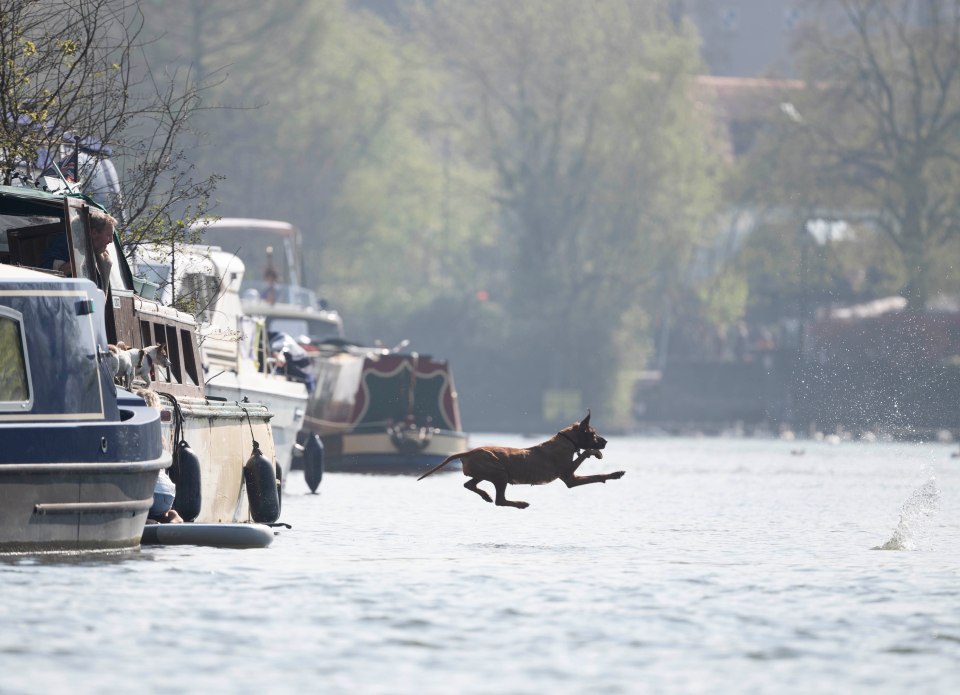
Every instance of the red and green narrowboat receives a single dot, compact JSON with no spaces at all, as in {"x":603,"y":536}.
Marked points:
{"x":382,"y":411}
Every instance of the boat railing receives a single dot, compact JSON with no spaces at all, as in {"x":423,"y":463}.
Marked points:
{"x":280,"y":294}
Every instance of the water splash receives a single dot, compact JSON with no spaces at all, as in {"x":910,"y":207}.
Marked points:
{"x":915,"y":515}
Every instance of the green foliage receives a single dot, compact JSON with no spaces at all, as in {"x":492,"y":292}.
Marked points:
{"x":547,"y":156}
{"x":724,"y":298}
{"x":880,"y":119}
{"x":603,"y":177}
{"x":77,"y":70}
{"x":347,"y":146}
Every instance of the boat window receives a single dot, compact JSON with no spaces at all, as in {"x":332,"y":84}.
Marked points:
{"x":83,"y":261}
{"x":198,"y":294}
{"x":28,"y":245}
{"x":313,"y":330}
{"x":173,"y":354}
{"x":146,"y":333}
{"x":15,"y":391}
{"x":191,"y":373}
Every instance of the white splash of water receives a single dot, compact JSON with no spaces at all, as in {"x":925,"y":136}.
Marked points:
{"x":915,"y":516}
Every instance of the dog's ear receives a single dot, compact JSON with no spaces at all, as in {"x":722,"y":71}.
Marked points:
{"x":586,"y":421}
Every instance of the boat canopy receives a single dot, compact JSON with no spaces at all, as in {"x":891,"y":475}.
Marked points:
{"x":387,"y":389}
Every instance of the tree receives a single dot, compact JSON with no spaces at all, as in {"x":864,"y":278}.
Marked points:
{"x":329,"y":127}
{"x":584,"y":112}
{"x":881,"y":115}
{"x":76,"y":72}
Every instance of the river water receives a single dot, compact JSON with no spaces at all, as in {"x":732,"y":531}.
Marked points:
{"x":713,"y":566}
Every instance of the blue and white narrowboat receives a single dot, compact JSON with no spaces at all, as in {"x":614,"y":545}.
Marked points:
{"x":78,"y":457}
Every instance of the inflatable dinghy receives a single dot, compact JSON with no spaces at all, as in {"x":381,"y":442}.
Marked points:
{"x":216,"y":535}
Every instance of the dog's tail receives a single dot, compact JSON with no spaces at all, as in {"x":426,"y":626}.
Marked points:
{"x":443,"y":463}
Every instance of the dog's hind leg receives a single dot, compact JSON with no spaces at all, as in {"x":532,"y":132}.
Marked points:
{"x":472,"y":485}
{"x":500,"y":484}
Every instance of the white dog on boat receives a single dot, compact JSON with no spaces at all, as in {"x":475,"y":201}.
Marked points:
{"x":126,"y":363}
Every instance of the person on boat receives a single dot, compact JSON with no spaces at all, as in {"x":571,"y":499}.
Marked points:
{"x":272,"y":279}
{"x":290,"y":357}
{"x":102,"y":225}
{"x":164,"y":491}
{"x":162,"y":511}
{"x":57,"y":255}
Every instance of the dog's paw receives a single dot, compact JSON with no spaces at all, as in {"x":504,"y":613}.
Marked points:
{"x":596,"y":453}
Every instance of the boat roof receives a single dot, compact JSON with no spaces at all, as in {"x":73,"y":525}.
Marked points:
{"x":14,"y":273}
{"x":27,"y":192}
{"x":289,"y":311}
{"x":276,"y":226}
{"x":198,"y":258}
{"x":21,"y":200}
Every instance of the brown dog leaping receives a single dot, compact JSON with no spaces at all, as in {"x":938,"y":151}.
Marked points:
{"x":558,"y":457}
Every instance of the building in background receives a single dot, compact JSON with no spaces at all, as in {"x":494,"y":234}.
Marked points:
{"x":743,"y":38}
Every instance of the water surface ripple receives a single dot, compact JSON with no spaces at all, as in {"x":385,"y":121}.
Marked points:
{"x":713,"y":566}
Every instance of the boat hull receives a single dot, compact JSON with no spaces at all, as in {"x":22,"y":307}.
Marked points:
{"x":78,"y":459}
{"x":384,"y":412}
{"x":79,"y":486}
{"x":378,"y":452}
{"x":75,"y":506}
{"x":286,"y":400}
{"x":221,"y":434}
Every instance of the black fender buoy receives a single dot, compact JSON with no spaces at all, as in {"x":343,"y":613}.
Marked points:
{"x":260,"y":476}
{"x":313,"y":462}
{"x":279,"y":487}
{"x":185,"y":474}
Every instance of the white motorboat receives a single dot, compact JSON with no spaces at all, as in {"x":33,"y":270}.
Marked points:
{"x":242,"y":360}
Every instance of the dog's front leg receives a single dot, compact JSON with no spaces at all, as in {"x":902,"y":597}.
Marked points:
{"x":576,"y":480}
{"x":573,"y":480}
{"x":583,"y":457}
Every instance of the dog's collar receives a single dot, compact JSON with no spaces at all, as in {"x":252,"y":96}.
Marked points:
{"x":150,"y":362}
{"x":567,"y":437}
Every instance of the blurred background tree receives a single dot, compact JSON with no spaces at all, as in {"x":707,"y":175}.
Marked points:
{"x":513,"y":186}
{"x":603,"y":178}
{"x":880,"y":114}
{"x":78,"y":73}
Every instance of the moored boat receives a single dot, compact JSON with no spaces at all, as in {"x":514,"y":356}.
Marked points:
{"x":383,"y":411}
{"x":279,"y":295}
{"x":371,"y":409}
{"x":235,"y":349}
{"x":221,"y":475}
{"x":281,"y":305}
{"x":78,"y":458}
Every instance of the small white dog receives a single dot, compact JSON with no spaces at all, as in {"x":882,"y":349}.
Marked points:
{"x":126,"y":363}
{"x":113,"y":358}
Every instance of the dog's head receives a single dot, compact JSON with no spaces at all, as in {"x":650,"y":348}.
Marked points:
{"x":584,"y":436}
{"x":160,"y":355}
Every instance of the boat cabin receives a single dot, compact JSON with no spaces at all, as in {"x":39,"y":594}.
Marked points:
{"x":31,"y":221}
{"x":272,"y":287}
